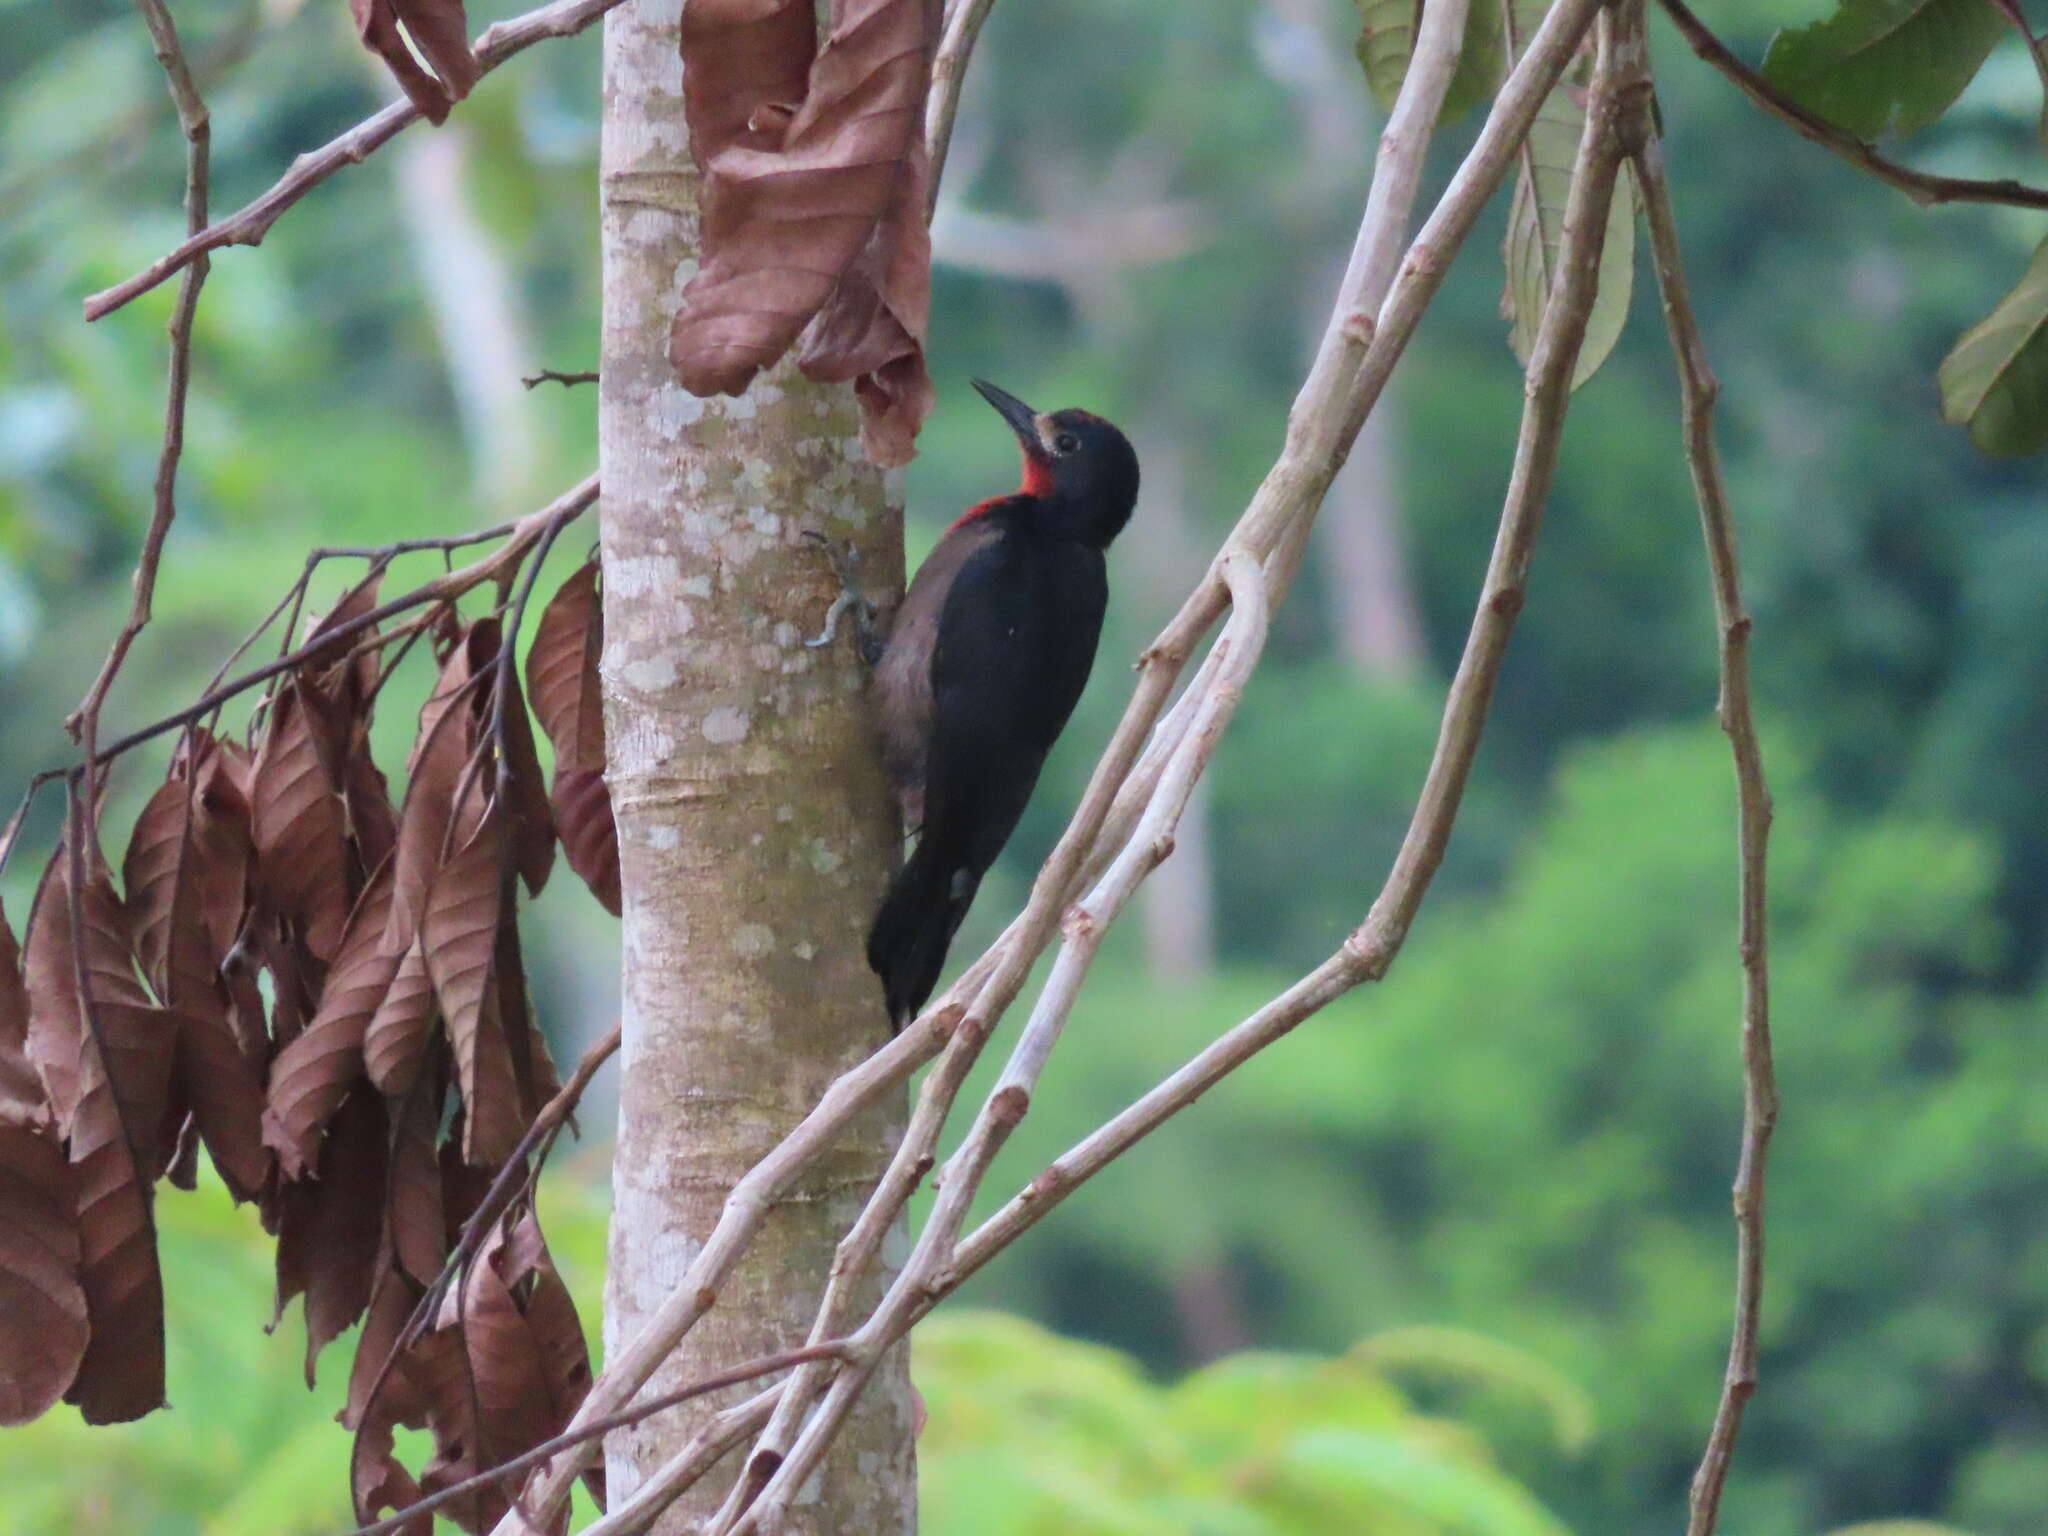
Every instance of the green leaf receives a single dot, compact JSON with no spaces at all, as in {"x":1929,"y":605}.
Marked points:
{"x":1885,"y":68}
{"x":1995,"y":379}
{"x":1386,"y":41}
{"x":1536,"y":222}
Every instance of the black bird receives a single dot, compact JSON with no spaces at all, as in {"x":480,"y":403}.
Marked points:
{"x":988,"y":653}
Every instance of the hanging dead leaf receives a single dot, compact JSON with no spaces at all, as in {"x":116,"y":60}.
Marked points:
{"x":186,"y":873}
{"x":21,"y":1092}
{"x":312,"y":1075}
{"x":590,"y":837}
{"x":561,"y":669}
{"x":43,"y":1330}
{"x":418,"y":1222}
{"x":358,"y":601}
{"x":525,"y":790}
{"x":300,"y":833}
{"x":533,"y":1067}
{"x":328,"y":1238}
{"x":441,"y":762}
{"x":224,"y":1090}
{"x":785,"y":216}
{"x":749,"y":66}
{"x":395,"y":1043}
{"x":460,"y":934}
{"x":872,"y":330}
{"x":43,"y":1327}
{"x":404,"y":32}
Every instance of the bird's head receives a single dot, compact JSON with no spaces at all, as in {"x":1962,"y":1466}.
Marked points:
{"x":1074,"y":459}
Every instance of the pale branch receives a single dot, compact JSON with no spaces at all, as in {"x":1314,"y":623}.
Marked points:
{"x":519,"y":537}
{"x":249,"y":224}
{"x":83,"y":723}
{"x":1697,"y":391}
{"x":1353,"y":363}
{"x":1921,"y":186}
{"x":949,"y":72}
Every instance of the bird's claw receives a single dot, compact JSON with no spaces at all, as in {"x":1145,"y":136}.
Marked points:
{"x":846,"y":566}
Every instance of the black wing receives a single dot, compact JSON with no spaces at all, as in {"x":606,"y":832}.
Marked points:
{"x":1016,"y":641}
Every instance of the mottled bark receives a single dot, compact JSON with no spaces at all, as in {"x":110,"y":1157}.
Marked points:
{"x":754,"y":829}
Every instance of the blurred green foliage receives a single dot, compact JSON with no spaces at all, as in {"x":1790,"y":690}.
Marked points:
{"x":1526,"y":1133}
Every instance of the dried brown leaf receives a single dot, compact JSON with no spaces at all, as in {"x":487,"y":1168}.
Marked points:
{"x":418,"y":1222}
{"x":328,"y":1238}
{"x":322,"y":663}
{"x":43,"y":1328}
{"x":395,"y":1043}
{"x":121,"y":1376}
{"x":42,"y":1307}
{"x":525,"y":791}
{"x":186,"y":873}
{"x":302,"y":866}
{"x":532,"y":1065}
{"x":441,"y":764}
{"x":439,"y":32}
{"x":379,"y":1399}
{"x":224,"y":1089}
{"x":22,"y":1101}
{"x":784,"y":220}
{"x":749,"y":67}
{"x":311,"y":1075}
{"x":561,"y":668}
{"x":460,"y":937}
{"x":366,"y":794}
{"x":590,"y":837}
{"x":872,"y":331}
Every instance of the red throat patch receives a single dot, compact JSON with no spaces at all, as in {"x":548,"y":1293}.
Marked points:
{"x":1037,"y":481}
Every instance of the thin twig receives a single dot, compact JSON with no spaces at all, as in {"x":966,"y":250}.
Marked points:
{"x":1921,"y":186}
{"x":1697,"y":391}
{"x":554,"y":376}
{"x":949,"y":73}
{"x":83,"y":723}
{"x":566,"y":508}
{"x":248,"y":225}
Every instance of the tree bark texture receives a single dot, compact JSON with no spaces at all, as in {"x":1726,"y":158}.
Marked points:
{"x":755,"y":832}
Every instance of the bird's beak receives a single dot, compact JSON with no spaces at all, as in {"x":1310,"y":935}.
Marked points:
{"x":1022,"y":419}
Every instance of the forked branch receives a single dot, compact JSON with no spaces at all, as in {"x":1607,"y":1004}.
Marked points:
{"x":249,"y":224}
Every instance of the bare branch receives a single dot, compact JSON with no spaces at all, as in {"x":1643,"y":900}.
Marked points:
{"x":248,"y":225}
{"x":1921,"y":186}
{"x":555,"y":376}
{"x":949,"y":72}
{"x":83,"y":722}
{"x":1697,"y":391}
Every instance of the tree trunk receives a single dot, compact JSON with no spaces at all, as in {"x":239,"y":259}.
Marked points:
{"x":755,"y":833}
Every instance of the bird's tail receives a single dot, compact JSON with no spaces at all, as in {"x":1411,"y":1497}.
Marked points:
{"x":907,"y":945}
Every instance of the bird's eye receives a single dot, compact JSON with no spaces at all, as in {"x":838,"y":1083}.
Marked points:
{"x":1066,"y":442}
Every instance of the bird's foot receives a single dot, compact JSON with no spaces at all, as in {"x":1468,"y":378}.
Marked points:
{"x":846,"y":566}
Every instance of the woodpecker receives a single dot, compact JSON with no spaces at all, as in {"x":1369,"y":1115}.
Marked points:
{"x":987,"y":655}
